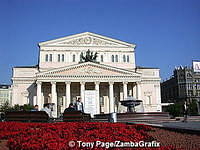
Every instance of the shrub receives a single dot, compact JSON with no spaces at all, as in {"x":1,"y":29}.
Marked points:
{"x":175,"y":110}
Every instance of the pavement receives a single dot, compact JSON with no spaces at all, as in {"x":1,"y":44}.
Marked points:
{"x":191,"y":125}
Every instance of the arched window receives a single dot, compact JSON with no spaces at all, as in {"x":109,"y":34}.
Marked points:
{"x":127,"y":58}
{"x":74,"y":58}
{"x":46,"y":58}
{"x":101,"y":58}
{"x":58,"y":57}
{"x":113,"y":58}
{"x":124,"y":58}
{"x":116,"y":58}
{"x":50,"y":57}
{"x":63,"y":57}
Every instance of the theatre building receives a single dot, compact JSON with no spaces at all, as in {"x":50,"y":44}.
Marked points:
{"x":61,"y":76}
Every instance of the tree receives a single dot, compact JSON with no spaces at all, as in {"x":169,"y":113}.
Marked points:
{"x":175,"y":110}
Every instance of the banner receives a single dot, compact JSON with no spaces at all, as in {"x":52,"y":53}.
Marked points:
{"x":90,"y":102}
{"x":196,"y":66}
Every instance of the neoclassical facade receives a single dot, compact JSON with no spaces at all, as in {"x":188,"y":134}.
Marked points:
{"x":60,"y":77}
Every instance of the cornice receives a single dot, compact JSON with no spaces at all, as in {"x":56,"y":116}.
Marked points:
{"x":77,"y":66}
{"x":107,"y":51}
{"x":89,"y":34}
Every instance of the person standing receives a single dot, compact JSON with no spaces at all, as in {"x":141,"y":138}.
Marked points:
{"x":185,"y":111}
{"x":79,"y":105}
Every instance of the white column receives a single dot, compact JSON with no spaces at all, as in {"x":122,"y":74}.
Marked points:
{"x":54,"y":98}
{"x":68,"y":94}
{"x":39,"y":95}
{"x":125,"y":89}
{"x":158,"y":97}
{"x":82,"y":92}
{"x":138,"y":89}
{"x":97,"y":99}
{"x":111,"y":98}
{"x":134,"y":91}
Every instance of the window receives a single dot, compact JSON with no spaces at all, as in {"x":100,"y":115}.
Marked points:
{"x":74,"y":58}
{"x":50,"y":57}
{"x":81,"y":60}
{"x":46,"y":58}
{"x":127,"y":58}
{"x":116,"y":58}
{"x":113,"y":58}
{"x":63,"y":57}
{"x":124,"y":58}
{"x":101,"y":58}
{"x":58,"y":57}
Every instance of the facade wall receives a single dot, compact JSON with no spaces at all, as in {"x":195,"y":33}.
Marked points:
{"x":185,"y":84}
{"x":5,"y":94}
{"x":141,"y":83}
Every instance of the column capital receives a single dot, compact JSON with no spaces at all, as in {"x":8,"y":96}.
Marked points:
{"x":67,"y":82}
{"x":139,"y":82}
{"x":97,"y":82}
{"x":53,"y":82}
{"x":125,"y":82}
{"x":82,"y":82}
{"x":111,"y":82}
{"x":38,"y":82}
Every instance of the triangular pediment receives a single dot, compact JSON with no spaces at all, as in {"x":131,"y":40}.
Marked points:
{"x":88,"y":69}
{"x":86,"y":39}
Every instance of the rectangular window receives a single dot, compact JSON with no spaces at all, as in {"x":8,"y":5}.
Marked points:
{"x":46,"y":58}
{"x":74,"y":58}
{"x":116,"y":58}
{"x":127,"y":58}
{"x":63,"y":57}
{"x":124,"y":58}
{"x":101,"y":58}
{"x":58,"y":57}
{"x":50,"y":57}
{"x":113,"y":58}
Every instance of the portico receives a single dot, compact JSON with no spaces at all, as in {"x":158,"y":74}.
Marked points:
{"x":48,"y":93}
{"x":110,"y":86}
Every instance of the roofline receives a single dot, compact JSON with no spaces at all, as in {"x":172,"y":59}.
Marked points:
{"x":140,"y":67}
{"x":36,"y":66}
{"x":62,"y":38}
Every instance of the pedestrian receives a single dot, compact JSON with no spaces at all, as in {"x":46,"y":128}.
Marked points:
{"x":79,"y":105}
{"x":185,"y":111}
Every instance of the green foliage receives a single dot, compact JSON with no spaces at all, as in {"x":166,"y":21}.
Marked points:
{"x":178,"y":109}
{"x":6,"y":107}
{"x":193,"y":110}
{"x":175,"y":110}
{"x":28,"y":107}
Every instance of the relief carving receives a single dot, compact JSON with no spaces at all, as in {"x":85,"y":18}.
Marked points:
{"x":87,"y":41}
{"x":90,"y":70}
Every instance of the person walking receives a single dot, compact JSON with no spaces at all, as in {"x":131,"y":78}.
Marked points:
{"x":185,"y":111}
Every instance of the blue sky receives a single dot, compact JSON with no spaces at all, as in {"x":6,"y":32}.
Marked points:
{"x":166,"y":32}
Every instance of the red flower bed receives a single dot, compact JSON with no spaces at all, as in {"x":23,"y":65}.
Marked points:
{"x":56,"y":136}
